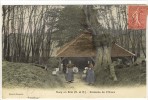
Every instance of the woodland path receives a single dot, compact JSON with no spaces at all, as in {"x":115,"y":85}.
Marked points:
{"x":78,"y":83}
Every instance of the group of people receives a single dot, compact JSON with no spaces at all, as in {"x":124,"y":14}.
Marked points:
{"x":90,"y":75}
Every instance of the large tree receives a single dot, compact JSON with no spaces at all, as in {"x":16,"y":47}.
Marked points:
{"x":102,"y":39}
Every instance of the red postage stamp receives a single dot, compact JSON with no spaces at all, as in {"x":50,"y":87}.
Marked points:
{"x":137,"y":17}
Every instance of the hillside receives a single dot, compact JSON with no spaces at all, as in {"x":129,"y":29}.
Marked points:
{"x":27,"y":75}
{"x":134,"y":75}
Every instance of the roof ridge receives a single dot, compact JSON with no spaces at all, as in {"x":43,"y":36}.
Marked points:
{"x":69,"y":44}
{"x":125,"y":49}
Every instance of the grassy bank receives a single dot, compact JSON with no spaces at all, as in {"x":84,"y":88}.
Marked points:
{"x":127,"y":76}
{"x":27,"y":75}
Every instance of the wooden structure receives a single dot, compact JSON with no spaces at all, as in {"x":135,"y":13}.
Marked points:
{"x":82,"y":46}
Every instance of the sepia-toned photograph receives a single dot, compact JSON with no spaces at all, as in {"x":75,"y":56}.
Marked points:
{"x":74,"y":51}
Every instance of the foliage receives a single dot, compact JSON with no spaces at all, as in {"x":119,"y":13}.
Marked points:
{"x":71,"y":22}
{"x":53,"y":62}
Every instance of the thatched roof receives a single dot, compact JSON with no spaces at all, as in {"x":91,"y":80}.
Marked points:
{"x":82,"y":46}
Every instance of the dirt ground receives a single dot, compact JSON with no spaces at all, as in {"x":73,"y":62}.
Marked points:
{"x":77,"y":89}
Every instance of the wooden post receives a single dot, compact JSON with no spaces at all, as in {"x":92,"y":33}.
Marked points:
{"x":132,"y":59}
{"x":60,"y":64}
{"x":93,"y":60}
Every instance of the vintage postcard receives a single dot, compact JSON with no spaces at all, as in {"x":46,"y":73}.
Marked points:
{"x":74,"y":51}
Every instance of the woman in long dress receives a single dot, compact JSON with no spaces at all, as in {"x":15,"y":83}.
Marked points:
{"x":90,"y":75}
{"x":69,"y":72}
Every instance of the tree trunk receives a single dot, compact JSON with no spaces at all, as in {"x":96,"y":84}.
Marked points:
{"x":106,"y":56}
{"x":103,"y":57}
{"x":141,"y":43}
{"x":138,"y":44}
{"x":98,"y":60}
{"x":103,"y":62}
{"x":101,"y":42}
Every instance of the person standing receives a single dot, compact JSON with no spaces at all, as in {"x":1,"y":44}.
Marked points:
{"x":69,"y":72}
{"x":90,"y":75}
